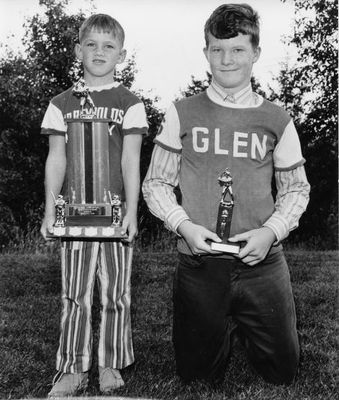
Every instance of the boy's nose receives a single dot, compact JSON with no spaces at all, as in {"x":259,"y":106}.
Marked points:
{"x":227,"y":58}
{"x":99,"y":50}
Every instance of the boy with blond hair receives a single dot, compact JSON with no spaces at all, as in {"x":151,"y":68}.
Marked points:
{"x":100,"y":48}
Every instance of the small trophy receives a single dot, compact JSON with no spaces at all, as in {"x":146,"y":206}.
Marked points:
{"x":60,"y":205}
{"x":116,"y":209}
{"x":225,"y":216}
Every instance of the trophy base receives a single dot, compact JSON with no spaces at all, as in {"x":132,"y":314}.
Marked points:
{"x":233,"y":248}
{"x":85,"y":221}
{"x":87,"y":232}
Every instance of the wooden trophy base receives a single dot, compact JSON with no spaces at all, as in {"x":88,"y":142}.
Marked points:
{"x":89,"y":221}
{"x":87,"y":232}
{"x":228,"y":247}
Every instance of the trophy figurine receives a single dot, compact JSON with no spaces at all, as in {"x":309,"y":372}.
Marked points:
{"x":81,"y":90}
{"x":225,"y":216}
{"x":116,"y":209}
{"x":60,"y":205}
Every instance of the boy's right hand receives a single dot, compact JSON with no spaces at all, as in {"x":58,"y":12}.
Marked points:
{"x":47,"y":226}
{"x":197,"y":236}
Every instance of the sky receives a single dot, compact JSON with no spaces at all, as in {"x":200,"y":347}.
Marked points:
{"x":167,"y":37}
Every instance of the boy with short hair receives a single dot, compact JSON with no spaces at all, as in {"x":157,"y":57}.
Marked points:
{"x":100,"y":48}
{"x":230,"y":127}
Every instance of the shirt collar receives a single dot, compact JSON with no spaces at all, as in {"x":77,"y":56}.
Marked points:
{"x":108,"y":86}
{"x":243,"y":98}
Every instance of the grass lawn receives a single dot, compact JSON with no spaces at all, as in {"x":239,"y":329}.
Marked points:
{"x":29,"y":329}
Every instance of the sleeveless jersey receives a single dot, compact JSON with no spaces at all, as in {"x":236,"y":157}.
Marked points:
{"x":215,"y":137}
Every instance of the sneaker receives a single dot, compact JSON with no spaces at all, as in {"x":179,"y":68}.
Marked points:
{"x":68,"y":384}
{"x":109,"y":380}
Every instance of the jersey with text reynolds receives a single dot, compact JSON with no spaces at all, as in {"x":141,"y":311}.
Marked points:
{"x":114,"y":102}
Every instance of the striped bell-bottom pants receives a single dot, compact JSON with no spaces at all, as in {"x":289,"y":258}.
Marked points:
{"x":83,"y":262}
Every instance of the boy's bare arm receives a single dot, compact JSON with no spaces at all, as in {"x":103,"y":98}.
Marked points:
{"x":54,"y":177}
{"x":130,"y":164}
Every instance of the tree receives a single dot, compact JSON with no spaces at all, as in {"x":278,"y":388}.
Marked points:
{"x":196,"y":86}
{"x":309,"y":92}
{"x":28,"y":83}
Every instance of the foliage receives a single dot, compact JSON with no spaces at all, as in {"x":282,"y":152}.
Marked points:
{"x":151,"y":228}
{"x":29,"y":339}
{"x":309,"y":93}
{"x":28,"y":83}
{"x":196,"y":86}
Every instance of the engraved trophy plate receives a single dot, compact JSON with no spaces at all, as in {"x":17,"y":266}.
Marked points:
{"x":225,"y":216}
{"x":88,"y":208}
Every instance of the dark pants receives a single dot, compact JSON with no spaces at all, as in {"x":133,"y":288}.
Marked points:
{"x":214,"y":296}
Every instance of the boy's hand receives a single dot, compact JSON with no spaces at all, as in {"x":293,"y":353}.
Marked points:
{"x":47,"y":226}
{"x":259,"y":242}
{"x":196,"y":237}
{"x":130,"y":226}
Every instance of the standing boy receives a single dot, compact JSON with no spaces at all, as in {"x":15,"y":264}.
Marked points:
{"x":229,"y":126}
{"x":100,"y":48}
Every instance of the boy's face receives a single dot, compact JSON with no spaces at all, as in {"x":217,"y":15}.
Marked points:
{"x":231,"y":61}
{"x":99,"y":52}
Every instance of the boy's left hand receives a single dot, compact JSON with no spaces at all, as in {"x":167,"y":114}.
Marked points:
{"x":129,"y":225}
{"x":259,"y":242}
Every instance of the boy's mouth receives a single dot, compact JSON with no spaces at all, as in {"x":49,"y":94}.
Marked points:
{"x":98,"y":61}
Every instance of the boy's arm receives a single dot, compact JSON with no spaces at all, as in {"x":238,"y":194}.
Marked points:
{"x":292,"y":198}
{"x":291,"y":201}
{"x":158,"y":190}
{"x":130,"y":165}
{"x":54,"y":177}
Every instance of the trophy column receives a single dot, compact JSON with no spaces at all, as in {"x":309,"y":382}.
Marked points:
{"x":90,"y":209}
{"x":225,"y":213}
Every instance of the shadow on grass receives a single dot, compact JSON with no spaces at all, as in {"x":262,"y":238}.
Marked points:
{"x":29,"y":331}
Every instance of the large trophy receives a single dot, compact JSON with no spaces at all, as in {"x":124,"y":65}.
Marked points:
{"x":88,"y":208}
{"x":225,"y":216}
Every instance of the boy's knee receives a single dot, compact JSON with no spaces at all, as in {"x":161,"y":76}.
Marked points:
{"x":210,"y":371}
{"x":282,"y":370}
{"x":289,"y":369}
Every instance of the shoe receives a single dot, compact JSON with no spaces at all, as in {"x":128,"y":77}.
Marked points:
{"x":109,"y":380}
{"x":68,"y":384}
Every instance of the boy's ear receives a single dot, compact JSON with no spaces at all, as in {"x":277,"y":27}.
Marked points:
{"x":78,"y":51}
{"x":122,"y":56}
{"x":257,"y":52}
{"x":205,"y":50}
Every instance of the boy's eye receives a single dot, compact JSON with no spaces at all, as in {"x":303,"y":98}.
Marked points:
{"x":90,"y":44}
{"x":238,"y":50}
{"x":215,"y":50}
